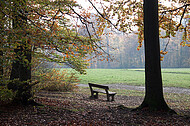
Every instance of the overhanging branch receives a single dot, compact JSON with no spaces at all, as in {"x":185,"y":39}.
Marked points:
{"x":102,"y":15}
{"x":182,"y":17}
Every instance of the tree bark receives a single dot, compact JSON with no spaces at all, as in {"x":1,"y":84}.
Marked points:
{"x":1,"y":65}
{"x":21,"y":66}
{"x":21,"y":69}
{"x":154,"y":99}
{"x":1,"y":48}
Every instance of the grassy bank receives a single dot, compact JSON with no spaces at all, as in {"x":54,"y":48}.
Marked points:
{"x":171,"y":77}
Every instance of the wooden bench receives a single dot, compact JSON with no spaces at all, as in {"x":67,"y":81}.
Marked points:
{"x":105,"y":91}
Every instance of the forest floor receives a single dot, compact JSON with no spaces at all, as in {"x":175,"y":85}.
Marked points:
{"x":76,"y":108}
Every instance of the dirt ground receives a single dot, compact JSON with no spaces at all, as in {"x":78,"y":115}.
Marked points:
{"x":76,"y":108}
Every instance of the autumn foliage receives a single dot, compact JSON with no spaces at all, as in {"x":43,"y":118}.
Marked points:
{"x":57,"y":26}
{"x":51,"y":32}
{"x":56,"y":80}
{"x":127,"y":16}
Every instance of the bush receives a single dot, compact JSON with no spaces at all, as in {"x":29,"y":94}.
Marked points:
{"x":15,"y":91}
{"x":6,"y":95}
{"x":22,"y":90}
{"x":56,"y":80}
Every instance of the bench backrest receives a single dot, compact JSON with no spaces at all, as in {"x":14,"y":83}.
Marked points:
{"x":98,"y":86}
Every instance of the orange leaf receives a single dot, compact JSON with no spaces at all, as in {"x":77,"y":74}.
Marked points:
{"x":138,"y":48}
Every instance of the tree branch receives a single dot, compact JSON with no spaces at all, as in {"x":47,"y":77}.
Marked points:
{"x":175,"y":9}
{"x":182,"y":17}
{"x":185,"y":8}
{"x":84,"y":21}
{"x":103,"y":15}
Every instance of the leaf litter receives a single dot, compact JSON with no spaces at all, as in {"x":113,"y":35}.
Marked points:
{"x":76,"y":108}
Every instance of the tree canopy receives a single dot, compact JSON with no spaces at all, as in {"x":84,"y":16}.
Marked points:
{"x":51,"y":31}
{"x":57,"y":24}
{"x":127,"y":16}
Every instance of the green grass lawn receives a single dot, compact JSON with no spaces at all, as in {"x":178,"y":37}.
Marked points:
{"x":171,"y":77}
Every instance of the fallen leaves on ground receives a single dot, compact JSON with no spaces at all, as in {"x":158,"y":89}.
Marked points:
{"x":75,"y":109}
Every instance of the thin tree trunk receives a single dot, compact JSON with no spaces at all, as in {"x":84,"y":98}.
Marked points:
{"x":107,"y":39}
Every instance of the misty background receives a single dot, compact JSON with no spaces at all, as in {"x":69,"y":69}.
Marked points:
{"x":126,"y":54}
{"x":123,"y":50}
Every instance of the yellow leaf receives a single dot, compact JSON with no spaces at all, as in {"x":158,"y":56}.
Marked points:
{"x":188,"y":45}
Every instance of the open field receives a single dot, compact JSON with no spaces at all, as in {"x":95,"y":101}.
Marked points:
{"x":179,"y":77}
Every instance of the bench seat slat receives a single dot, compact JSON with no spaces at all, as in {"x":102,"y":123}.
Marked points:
{"x":102,"y":91}
{"x":99,"y":86}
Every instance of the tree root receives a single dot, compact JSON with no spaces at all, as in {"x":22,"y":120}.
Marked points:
{"x":155,"y":110}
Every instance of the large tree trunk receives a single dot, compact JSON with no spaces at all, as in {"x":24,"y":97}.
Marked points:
{"x":154,"y":99}
{"x":21,"y":69}
{"x":1,"y":48}
{"x":1,"y":65}
{"x":21,"y":66}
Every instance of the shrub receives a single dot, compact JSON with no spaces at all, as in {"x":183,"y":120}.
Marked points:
{"x":56,"y":80}
{"x":6,"y":95}
{"x":22,"y":90}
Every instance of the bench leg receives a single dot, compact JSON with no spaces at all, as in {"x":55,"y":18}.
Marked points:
{"x":94,"y":96}
{"x":112,"y":97}
{"x":108,"y":97}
